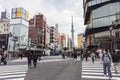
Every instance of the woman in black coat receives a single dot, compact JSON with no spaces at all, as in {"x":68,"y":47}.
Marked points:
{"x":115,"y":60}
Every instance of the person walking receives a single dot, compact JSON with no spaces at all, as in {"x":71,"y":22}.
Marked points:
{"x":86,"y":55}
{"x":35,"y":57}
{"x":115,"y":60}
{"x":93,"y":57}
{"x":0,"y":59}
{"x":29,"y":58}
{"x":100,"y":56}
{"x":106,"y":59}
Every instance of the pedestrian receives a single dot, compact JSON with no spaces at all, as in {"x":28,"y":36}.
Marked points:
{"x":86,"y":55}
{"x":0,"y":59}
{"x":21,"y":56}
{"x":35,"y":57}
{"x":115,"y":60}
{"x":29,"y":58}
{"x":100,"y":56}
{"x":93,"y":57}
{"x":106,"y":59}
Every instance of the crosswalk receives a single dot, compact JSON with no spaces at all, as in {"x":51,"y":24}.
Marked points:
{"x":13,"y":72}
{"x":94,"y":71}
{"x":44,"y":59}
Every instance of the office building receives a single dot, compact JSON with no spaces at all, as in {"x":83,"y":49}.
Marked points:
{"x":101,"y":18}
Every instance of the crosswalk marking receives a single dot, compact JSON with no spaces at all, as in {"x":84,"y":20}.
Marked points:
{"x":16,"y":79}
{"x":95,"y":71}
{"x":18,"y":72}
{"x":13,"y":72}
{"x":44,"y":60}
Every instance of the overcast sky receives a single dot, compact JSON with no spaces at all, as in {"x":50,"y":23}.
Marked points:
{"x":56,"y":11}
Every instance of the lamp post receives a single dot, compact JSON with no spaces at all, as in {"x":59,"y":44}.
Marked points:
{"x":114,"y":25}
{"x":19,"y":41}
{"x":15,"y":38}
{"x":111,"y":38}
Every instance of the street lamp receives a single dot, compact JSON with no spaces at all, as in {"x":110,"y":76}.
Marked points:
{"x":19,"y":41}
{"x":114,"y":25}
{"x":111,"y":37}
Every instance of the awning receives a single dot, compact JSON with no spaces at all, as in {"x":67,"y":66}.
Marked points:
{"x":99,"y":29}
{"x":92,"y":46}
{"x":35,"y":49}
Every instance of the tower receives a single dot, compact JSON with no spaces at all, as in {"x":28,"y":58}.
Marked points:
{"x":72,"y":33}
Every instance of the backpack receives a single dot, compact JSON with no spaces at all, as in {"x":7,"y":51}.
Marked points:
{"x":106,"y":58}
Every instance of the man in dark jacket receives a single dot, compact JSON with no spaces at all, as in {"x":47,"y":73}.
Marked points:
{"x":115,"y":60}
{"x":35,"y":57}
{"x":29,"y":58}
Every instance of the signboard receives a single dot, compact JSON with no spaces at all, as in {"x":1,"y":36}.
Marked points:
{"x":63,"y":37}
{"x":20,"y":13}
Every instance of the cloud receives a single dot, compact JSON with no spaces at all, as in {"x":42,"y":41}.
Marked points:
{"x":56,"y":11}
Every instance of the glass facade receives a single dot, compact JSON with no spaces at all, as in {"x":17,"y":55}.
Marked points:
{"x":94,"y":2}
{"x":105,"y":15}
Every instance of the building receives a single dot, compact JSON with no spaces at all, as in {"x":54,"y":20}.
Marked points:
{"x":4,"y":30}
{"x":80,"y":40}
{"x":18,"y":41}
{"x":101,"y":18}
{"x":63,"y":40}
{"x":69,"y":43}
{"x":32,"y":38}
{"x":47,"y":37}
{"x":54,"y":36}
{"x":5,"y":15}
{"x":39,"y":26}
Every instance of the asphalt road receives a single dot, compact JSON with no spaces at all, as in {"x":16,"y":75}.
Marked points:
{"x":58,"y":70}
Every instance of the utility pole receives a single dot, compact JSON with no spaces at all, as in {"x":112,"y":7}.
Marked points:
{"x":72,"y":32}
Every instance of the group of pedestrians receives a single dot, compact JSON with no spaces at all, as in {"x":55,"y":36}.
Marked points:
{"x":3,"y":59}
{"x":32,"y":58}
{"x":108,"y":59}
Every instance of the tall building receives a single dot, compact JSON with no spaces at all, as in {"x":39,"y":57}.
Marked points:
{"x":38,"y":25}
{"x":5,"y":15}
{"x":18,"y":41}
{"x":69,"y":43}
{"x":47,"y":36}
{"x":72,"y":33}
{"x":4,"y":30}
{"x":99,"y":17}
{"x":63,"y":41}
{"x":54,"y":36}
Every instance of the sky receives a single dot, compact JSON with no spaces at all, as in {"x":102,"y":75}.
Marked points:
{"x":56,"y":12}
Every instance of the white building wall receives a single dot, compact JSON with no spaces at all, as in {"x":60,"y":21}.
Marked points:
{"x":4,"y":26}
{"x":19,"y":28}
{"x":47,"y":36}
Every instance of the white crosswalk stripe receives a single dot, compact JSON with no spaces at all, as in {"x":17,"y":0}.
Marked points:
{"x":44,"y":59}
{"x":94,"y":71}
{"x":13,"y":72}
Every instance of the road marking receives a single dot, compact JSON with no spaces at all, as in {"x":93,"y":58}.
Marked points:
{"x":95,"y":71}
{"x":13,"y":72}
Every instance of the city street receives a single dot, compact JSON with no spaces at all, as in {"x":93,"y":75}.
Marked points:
{"x":54,"y":68}
{"x":50,"y":68}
